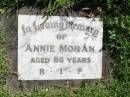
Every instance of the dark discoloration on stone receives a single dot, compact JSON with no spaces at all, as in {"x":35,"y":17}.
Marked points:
{"x":79,"y":70}
{"x":10,"y":24}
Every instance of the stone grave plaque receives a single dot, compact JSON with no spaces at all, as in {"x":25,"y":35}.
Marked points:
{"x":59,"y":47}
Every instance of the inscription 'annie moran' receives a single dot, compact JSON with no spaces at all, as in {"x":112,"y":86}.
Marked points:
{"x":61,"y":48}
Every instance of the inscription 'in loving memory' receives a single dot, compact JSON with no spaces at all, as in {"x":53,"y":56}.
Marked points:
{"x":59,"y":25}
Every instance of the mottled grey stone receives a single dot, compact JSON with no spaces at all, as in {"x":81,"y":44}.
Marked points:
{"x":9,"y":23}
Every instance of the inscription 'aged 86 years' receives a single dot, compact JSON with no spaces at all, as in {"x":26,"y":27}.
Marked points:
{"x":59,"y":48}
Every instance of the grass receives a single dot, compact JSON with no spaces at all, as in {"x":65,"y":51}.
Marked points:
{"x":110,"y":89}
{"x":117,"y":36}
{"x":3,"y":61}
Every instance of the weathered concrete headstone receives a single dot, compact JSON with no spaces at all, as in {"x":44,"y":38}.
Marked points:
{"x":59,"y":47}
{"x":9,"y":24}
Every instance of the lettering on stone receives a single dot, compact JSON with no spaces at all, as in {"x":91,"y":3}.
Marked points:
{"x":59,"y":48}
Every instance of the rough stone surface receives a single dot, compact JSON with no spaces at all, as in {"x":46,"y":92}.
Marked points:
{"x":10,"y":22}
